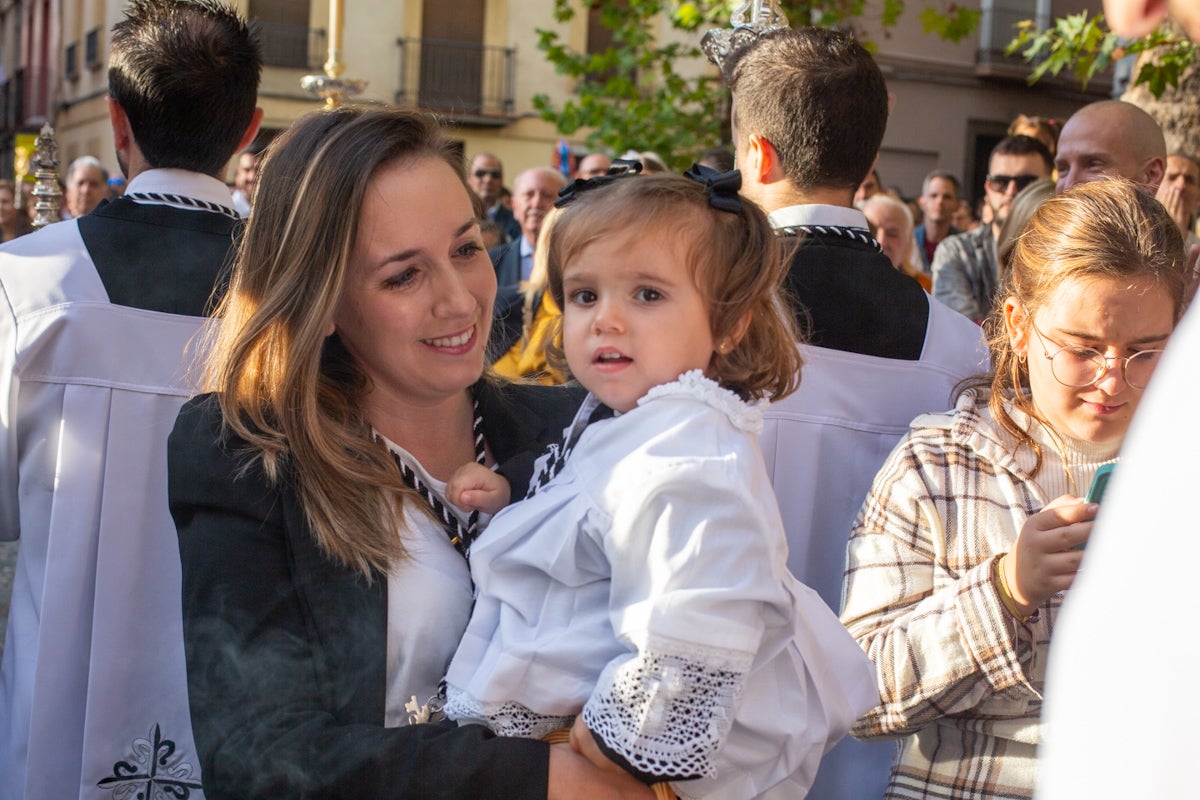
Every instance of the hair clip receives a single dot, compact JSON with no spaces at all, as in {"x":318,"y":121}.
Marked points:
{"x":722,"y":187}
{"x":620,"y":168}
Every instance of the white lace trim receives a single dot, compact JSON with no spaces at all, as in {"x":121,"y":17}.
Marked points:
{"x":744,"y":416}
{"x":504,"y":719}
{"x":668,"y":710}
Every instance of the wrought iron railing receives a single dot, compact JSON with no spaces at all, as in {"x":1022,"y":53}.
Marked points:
{"x":458,"y":78}
{"x":296,"y":46}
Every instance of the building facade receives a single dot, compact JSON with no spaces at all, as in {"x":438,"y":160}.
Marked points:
{"x":476,"y":63}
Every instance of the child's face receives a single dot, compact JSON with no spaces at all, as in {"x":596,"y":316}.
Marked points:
{"x":633,"y":317}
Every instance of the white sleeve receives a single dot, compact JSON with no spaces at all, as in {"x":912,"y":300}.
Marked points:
{"x":695,"y":563}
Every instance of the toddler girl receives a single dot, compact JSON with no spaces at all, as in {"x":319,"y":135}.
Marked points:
{"x":639,"y":595}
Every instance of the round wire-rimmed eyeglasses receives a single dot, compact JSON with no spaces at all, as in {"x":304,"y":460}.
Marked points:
{"x":1078,"y":367}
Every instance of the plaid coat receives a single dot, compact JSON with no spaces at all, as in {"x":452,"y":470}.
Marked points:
{"x":960,"y":679}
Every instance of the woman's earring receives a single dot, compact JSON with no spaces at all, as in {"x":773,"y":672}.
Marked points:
{"x":723,"y":347}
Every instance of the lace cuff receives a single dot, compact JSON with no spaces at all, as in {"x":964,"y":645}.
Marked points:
{"x":668,"y":709}
{"x":504,"y":719}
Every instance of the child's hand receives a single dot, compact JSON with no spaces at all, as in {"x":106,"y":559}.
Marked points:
{"x":474,"y":487}
{"x":584,"y":743}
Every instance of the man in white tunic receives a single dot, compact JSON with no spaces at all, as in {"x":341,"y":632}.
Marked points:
{"x":95,"y":317}
{"x":809,"y":111}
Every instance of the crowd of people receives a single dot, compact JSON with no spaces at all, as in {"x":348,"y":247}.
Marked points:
{"x":620,"y":484}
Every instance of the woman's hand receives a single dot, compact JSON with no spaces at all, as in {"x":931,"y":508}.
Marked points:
{"x":1192,"y":276}
{"x":474,"y":487}
{"x":572,"y":777}
{"x":584,"y":743}
{"x":1172,"y":200}
{"x":1042,"y":563}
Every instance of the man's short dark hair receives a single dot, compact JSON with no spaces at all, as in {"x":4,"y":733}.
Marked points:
{"x":818,"y":97}
{"x":186,"y":74}
{"x":719,"y":158}
{"x":1023,"y":146}
{"x":945,"y":175}
{"x":255,"y":148}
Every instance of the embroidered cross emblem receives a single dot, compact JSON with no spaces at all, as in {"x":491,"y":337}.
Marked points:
{"x":149,"y":774}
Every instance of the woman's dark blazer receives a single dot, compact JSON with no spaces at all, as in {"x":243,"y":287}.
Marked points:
{"x":286,"y":650}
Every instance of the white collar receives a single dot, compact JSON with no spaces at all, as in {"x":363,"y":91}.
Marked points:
{"x":181,"y":182}
{"x":817,"y":214}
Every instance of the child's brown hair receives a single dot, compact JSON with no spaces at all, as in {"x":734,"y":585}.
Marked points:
{"x":736,"y":261}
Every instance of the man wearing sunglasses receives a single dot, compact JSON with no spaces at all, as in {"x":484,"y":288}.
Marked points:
{"x":486,"y":177}
{"x":965,"y":267}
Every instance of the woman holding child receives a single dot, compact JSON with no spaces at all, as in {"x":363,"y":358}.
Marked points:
{"x":974,"y":527}
{"x":324,"y":579}
{"x":324,"y":542}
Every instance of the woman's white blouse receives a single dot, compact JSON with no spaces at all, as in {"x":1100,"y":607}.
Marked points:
{"x":428,"y":605}
{"x":646,"y":586}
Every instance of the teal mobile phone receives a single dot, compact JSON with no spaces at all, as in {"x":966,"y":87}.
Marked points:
{"x":1099,"y":484}
{"x":1096,"y":491}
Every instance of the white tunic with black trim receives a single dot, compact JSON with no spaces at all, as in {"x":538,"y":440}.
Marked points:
{"x":646,"y":586}
{"x":93,"y":691}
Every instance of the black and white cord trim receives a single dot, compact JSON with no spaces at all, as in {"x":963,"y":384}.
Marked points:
{"x":842,"y":231}
{"x":181,"y":200}
{"x":461,"y":536}
{"x":556,"y":457}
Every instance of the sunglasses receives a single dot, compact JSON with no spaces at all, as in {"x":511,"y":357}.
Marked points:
{"x":999,"y":183}
{"x":485,"y":173}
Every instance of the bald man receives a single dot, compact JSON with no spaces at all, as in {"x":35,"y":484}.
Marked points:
{"x":1107,"y":139}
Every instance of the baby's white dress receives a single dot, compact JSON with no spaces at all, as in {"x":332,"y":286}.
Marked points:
{"x":646,"y":586}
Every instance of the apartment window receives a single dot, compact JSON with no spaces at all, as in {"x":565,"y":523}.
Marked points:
{"x":599,"y":39}
{"x":997,"y":27}
{"x":71,"y":61}
{"x":91,"y":49}
{"x":286,"y":38}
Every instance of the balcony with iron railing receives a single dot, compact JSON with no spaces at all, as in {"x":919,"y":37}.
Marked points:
{"x":292,"y":46}
{"x":998,"y":27}
{"x":471,"y":82}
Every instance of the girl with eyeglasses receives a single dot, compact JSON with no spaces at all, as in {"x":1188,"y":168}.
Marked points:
{"x":959,"y":558}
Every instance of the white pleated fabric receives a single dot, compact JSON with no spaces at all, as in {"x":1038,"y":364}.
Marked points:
{"x":93,"y":676}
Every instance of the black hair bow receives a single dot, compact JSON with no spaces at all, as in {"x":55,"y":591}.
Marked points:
{"x":620,"y":168}
{"x":722,"y":186}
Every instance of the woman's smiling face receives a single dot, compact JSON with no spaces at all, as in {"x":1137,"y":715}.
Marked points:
{"x":417,"y":306}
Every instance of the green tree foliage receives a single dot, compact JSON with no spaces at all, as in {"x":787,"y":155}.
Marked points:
{"x":1083,"y":44}
{"x":634,"y":94}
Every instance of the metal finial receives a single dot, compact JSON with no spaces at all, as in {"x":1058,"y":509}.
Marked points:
{"x":751,"y":20}
{"x":47,"y":195}
{"x":331,"y":86}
